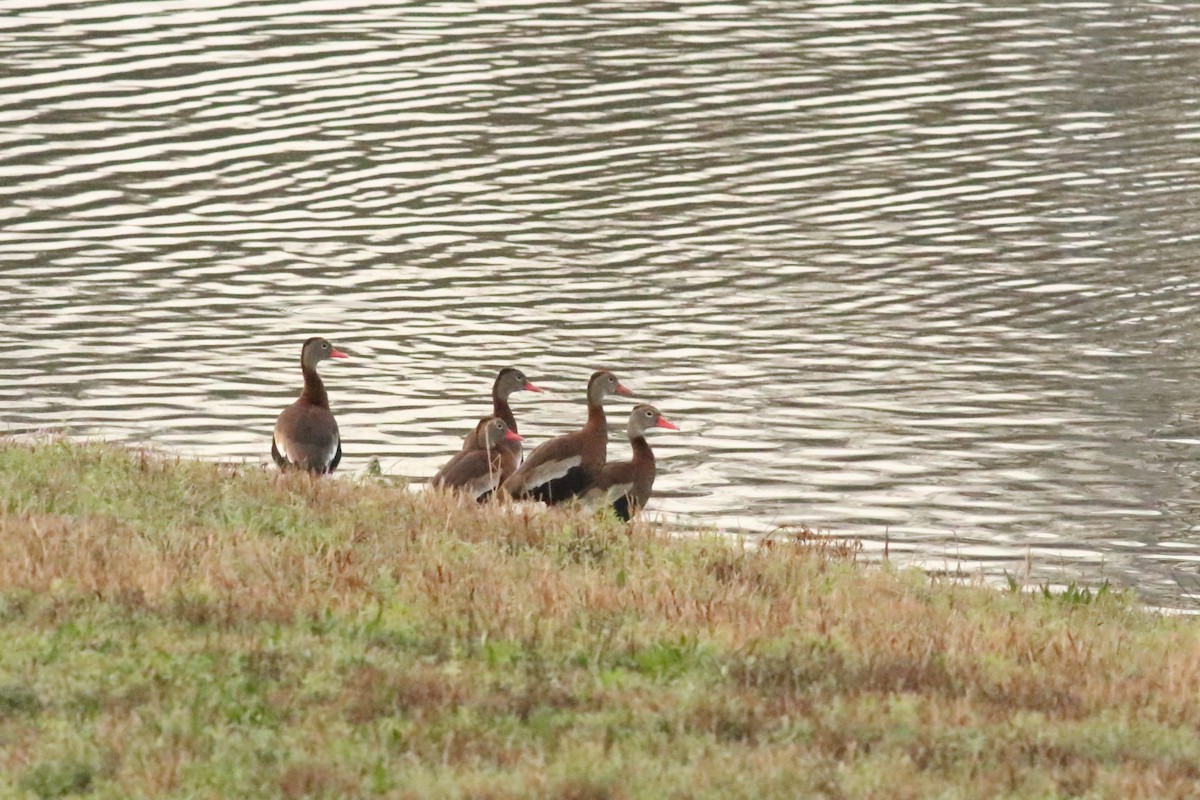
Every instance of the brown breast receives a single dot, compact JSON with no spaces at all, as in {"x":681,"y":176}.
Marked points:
{"x":566,"y":466}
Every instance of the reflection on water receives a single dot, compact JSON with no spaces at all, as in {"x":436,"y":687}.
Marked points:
{"x":920,"y":273}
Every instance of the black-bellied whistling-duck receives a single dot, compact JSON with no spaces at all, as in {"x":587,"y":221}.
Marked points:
{"x":478,"y":472}
{"x":306,"y":434}
{"x":626,"y":485}
{"x":508,"y":380}
{"x":564,"y":467}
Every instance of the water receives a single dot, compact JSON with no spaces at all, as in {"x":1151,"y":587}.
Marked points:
{"x":922,"y":273}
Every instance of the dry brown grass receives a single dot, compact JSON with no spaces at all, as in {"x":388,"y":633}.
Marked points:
{"x":208,"y":631}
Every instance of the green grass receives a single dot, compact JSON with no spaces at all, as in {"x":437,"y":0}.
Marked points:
{"x":181,"y":629}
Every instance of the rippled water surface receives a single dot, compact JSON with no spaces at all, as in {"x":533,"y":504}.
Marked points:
{"x":924,"y":273}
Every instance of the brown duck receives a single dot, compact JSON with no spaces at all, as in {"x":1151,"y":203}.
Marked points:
{"x":508,"y":381}
{"x":478,"y":472}
{"x":564,"y":467}
{"x":626,"y":485}
{"x":306,"y":434}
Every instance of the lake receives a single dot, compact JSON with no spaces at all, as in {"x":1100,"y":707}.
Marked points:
{"x":920,"y":273}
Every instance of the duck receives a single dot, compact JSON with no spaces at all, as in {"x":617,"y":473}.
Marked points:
{"x":625,"y":485}
{"x":478,"y":472}
{"x":508,"y":380}
{"x":564,"y":467}
{"x":306,"y":434}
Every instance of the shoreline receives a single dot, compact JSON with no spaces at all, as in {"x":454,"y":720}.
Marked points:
{"x":181,"y":628}
{"x":1037,"y":567}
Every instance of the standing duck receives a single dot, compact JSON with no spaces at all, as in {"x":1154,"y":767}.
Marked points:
{"x":508,"y":380}
{"x":306,"y":434}
{"x":626,"y":485}
{"x":479,"y":471}
{"x":564,"y":467}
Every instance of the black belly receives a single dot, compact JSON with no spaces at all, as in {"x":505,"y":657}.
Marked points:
{"x":574,"y":483}
{"x":621,"y":506}
{"x":280,"y":461}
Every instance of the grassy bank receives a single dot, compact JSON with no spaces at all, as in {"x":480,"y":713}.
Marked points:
{"x":173,"y":628}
